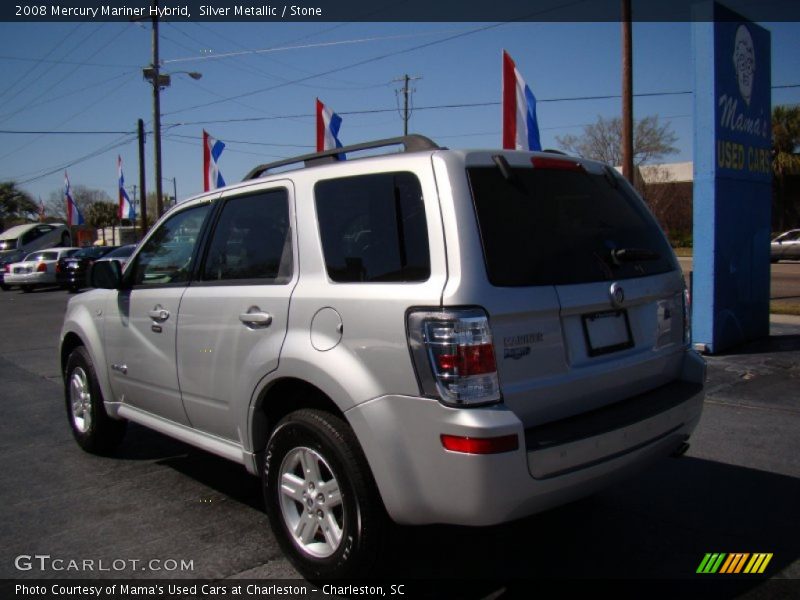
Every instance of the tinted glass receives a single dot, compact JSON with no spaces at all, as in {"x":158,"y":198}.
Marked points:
{"x":252,"y":240}
{"x":558,"y":227}
{"x":166,"y":257}
{"x":373,"y":228}
{"x":8,"y":244}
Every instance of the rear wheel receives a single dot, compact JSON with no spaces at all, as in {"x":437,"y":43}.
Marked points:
{"x":322,"y":502}
{"x":91,"y":426}
{"x":26,"y":288}
{"x":4,"y":287}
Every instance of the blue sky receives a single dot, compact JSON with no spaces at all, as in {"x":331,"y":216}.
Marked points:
{"x":103,"y":90}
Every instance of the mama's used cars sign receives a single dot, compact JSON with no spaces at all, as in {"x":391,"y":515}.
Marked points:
{"x":732,"y":179}
{"x":742,"y":78}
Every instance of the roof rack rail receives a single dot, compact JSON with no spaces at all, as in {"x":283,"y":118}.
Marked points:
{"x":410,"y":143}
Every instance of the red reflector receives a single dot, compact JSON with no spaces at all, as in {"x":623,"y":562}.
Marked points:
{"x":468,"y":445}
{"x":470,"y":360}
{"x":42,"y":268}
{"x":558,"y":164}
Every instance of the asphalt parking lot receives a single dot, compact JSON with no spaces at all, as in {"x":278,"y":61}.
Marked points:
{"x":736,"y":490}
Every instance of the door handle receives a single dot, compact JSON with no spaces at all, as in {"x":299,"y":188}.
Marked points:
{"x":159,"y":314}
{"x":255,"y":317}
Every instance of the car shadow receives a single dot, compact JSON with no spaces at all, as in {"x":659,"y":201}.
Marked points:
{"x":657,"y":526}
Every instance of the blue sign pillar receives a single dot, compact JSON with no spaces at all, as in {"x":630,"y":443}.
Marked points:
{"x":732,"y":180}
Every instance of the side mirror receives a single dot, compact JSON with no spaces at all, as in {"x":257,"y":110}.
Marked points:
{"x":106,"y":274}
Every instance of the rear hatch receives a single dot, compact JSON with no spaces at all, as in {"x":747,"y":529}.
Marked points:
{"x":590,"y":309}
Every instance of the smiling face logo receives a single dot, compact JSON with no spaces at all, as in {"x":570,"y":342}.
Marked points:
{"x":744,"y":61}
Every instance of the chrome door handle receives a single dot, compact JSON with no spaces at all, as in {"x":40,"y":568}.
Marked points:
{"x":159,"y":314}
{"x":256,"y":318}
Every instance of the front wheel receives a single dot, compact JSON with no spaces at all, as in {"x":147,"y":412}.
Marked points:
{"x":321,"y":498}
{"x":91,"y":426}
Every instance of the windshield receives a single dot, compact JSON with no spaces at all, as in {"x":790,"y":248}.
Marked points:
{"x":8,"y":244}
{"x":557,"y":227}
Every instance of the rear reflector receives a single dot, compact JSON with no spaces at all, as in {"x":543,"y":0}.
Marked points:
{"x":556,"y":164}
{"x":492,"y":445}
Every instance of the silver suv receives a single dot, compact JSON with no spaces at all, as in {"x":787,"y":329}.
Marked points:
{"x":429,"y":336}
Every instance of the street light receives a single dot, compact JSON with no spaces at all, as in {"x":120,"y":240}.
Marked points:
{"x":159,"y":81}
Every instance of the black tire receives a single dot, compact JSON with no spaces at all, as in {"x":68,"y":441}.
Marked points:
{"x":26,"y":288}
{"x":361,"y":513}
{"x":94,"y":431}
{"x":73,"y":289}
{"x":4,"y":287}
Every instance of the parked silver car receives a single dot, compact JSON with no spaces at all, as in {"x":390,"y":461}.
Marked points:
{"x":786,"y":246}
{"x":431,"y":336}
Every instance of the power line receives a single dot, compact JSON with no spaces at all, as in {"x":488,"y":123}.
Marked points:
{"x":43,"y":132}
{"x":69,"y":62}
{"x":346,"y":67}
{"x":270,"y":50}
{"x":102,"y":150}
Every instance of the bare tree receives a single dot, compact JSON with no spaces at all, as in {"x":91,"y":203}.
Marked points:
{"x":56,"y":205}
{"x":603,"y":141}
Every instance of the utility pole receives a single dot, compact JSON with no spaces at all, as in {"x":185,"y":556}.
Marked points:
{"x":406,"y":90}
{"x":627,"y":93}
{"x":142,"y":179}
{"x":157,"y":112}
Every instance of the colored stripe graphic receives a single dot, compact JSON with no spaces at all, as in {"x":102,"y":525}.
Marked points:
{"x":711,"y":563}
{"x":734,"y":563}
{"x":758,"y":563}
{"x":723,"y":563}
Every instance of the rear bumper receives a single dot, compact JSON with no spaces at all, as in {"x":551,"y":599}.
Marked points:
{"x":29,"y":279}
{"x":421,"y":482}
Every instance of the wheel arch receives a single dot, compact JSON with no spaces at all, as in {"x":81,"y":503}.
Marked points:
{"x":280,"y":398}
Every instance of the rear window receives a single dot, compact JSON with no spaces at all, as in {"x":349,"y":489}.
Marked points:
{"x":373,"y":228}
{"x":37,"y":256}
{"x":561,"y":227}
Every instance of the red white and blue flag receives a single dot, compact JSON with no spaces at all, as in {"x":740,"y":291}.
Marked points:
{"x":520,"y":127}
{"x":74,"y":216}
{"x":126,"y":210}
{"x":328,"y":124}
{"x":212,"y":149}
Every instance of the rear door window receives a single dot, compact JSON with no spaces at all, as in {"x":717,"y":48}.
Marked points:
{"x":373,"y":228}
{"x":560,"y":227}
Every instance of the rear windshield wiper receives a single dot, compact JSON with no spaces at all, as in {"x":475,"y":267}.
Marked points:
{"x":628,"y":255}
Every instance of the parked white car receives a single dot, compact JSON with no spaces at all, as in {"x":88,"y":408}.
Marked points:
{"x":37,"y":269}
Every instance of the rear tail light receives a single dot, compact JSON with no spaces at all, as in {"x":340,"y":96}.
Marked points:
{"x":58,"y":267}
{"x":41,"y":268}
{"x":454,"y":356}
{"x":7,"y":268}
